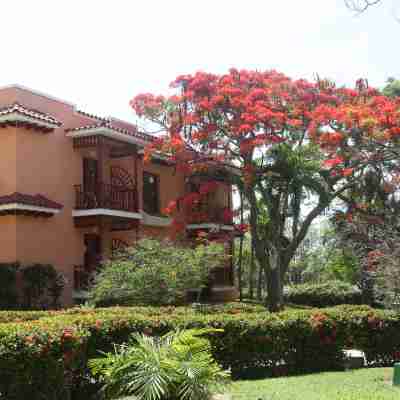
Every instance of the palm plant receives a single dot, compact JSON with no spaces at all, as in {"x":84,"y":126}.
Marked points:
{"x":177,"y":366}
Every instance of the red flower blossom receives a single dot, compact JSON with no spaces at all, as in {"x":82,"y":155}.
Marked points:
{"x":347,"y":171}
{"x":333,"y":162}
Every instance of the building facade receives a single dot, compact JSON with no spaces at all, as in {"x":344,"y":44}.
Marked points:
{"x":74,"y":188}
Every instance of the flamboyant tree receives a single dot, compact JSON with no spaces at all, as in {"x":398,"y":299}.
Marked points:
{"x":296,"y":145}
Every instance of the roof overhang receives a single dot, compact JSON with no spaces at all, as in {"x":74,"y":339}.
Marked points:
{"x":15,"y":208}
{"x":105,"y":212}
{"x":26,"y":204}
{"x":152,"y":220}
{"x":211,"y":227}
{"x":105,"y":132}
{"x":15,"y":117}
{"x":19,"y":114}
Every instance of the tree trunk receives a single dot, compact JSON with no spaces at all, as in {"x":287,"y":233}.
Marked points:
{"x":275,"y":279}
{"x":251,"y":272}
{"x":241,"y":251}
{"x":275,"y":290}
{"x":259,"y":282}
{"x":240,"y":263}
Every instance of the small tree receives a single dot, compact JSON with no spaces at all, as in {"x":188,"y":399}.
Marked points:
{"x":297,"y":145}
{"x":155,"y":273}
{"x":8,"y":288}
{"x":387,"y":266}
{"x":42,"y":286}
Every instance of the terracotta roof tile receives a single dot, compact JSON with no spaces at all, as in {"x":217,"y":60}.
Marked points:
{"x":37,"y":200}
{"x":92,"y":116}
{"x":109,"y":124}
{"x":28,"y":112}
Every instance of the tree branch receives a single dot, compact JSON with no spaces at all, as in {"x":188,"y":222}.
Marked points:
{"x":360,"y":6}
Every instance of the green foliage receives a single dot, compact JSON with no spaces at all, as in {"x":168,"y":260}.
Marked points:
{"x":8,"y":288}
{"x":41,"y":358}
{"x":177,"y":366}
{"x":155,"y":273}
{"x":342,"y":266}
{"x":42,"y":286}
{"x":323,"y":259}
{"x":392,"y":88}
{"x":325,"y":294}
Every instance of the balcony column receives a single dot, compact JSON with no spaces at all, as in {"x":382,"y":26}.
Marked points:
{"x":100,"y":170}
{"x":139,"y":180}
{"x":103,"y":229}
{"x":136,"y":174}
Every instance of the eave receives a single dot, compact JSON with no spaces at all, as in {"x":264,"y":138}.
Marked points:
{"x":108,"y":131}
{"x":24,"y":204}
{"x":105,"y":212}
{"x":152,"y":220}
{"x":17,"y":114}
{"x":210,"y":226}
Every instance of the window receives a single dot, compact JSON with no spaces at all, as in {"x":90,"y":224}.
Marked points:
{"x":90,"y":174}
{"x":151,"y":201}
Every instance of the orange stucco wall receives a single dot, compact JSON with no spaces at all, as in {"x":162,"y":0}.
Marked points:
{"x":172,"y":183}
{"x":32,"y":162}
{"x":47,"y":164}
{"x":8,"y":239}
{"x":8,"y":184}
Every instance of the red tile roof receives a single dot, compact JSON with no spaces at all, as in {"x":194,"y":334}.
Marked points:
{"x":92,"y":116}
{"x":37,"y":200}
{"x":27,"y":112}
{"x":110,"y":125}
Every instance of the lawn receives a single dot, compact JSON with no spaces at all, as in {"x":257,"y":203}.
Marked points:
{"x":366,"y":384}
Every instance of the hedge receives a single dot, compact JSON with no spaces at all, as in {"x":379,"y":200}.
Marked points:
{"x":46,"y":357}
{"x":325,"y":294}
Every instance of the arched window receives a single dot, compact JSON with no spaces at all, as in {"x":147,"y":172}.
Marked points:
{"x":118,"y":246}
{"x":121,"y":178}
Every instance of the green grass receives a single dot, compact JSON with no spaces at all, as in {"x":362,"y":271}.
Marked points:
{"x":365,"y":384}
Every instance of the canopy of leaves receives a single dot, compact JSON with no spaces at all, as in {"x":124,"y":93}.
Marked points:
{"x":296,"y":145}
{"x":155,"y":273}
{"x":288,"y":138}
{"x":392,"y":88}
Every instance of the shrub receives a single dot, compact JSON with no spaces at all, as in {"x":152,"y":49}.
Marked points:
{"x":8,"y":287}
{"x":47,"y":358}
{"x":21,"y":316}
{"x":154,"y":273}
{"x":177,"y":366}
{"x":42,"y":286}
{"x":323,"y":294}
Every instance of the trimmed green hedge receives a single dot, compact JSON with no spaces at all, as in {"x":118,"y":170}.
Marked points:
{"x":325,"y":294}
{"x":46,"y":357}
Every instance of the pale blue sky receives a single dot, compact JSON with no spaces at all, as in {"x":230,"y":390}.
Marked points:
{"x":99,"y":54}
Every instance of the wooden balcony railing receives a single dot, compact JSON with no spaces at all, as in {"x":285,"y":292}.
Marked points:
{"x":205,"y":213}
{"x":107,"y":196}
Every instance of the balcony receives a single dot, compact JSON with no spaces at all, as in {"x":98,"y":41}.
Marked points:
{"x":106,"y":200}
{"x":205,"y":216}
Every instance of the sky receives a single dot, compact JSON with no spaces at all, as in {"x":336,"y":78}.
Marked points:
{"x":99,"y":54}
